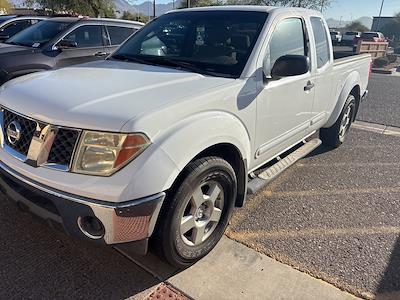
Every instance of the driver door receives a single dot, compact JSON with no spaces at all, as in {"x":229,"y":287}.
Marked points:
{"x":284,"y":105}
{"x":89,"y":41}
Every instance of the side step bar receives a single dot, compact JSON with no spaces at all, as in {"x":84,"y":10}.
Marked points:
{"x":265,"y":177}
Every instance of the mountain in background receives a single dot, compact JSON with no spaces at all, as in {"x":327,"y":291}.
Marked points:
{"x":333,"y":23}
{"x":145,"y":8}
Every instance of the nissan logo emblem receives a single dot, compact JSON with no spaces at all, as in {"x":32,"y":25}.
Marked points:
{"x":13,"y":132}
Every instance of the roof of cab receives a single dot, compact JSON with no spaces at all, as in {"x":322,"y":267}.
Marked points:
{"x":85,"y":19}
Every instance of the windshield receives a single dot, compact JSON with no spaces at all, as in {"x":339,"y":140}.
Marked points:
{"x":38,"y":34}
{"x":216,"y":43}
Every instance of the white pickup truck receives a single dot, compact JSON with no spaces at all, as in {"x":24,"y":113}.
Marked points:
{"x":164,"y":138}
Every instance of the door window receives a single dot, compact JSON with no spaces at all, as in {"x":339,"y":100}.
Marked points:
{"x":321,"y":42}
{"x":86,"y":36}
{"x":288,"y":38}
{"x":119,"y":34}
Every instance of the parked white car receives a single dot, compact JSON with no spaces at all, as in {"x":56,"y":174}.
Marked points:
{"x":336,"y":37}
{"x":163,"y":144}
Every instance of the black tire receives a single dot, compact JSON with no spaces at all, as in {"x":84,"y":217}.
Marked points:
{"x":169,"y":241}
{"x":334,"y":136}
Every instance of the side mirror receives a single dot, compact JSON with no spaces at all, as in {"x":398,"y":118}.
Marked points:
{"x":290,"y":65}
{"x":4,"y":37}
{"x":66,"y":44}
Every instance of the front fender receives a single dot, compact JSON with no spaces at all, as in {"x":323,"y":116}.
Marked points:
{"x":351,"y":81}
{"x":193,"y":135}
{"x":157,"y":168}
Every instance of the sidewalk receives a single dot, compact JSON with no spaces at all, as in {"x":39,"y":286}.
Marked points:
{"x":234,"y":271}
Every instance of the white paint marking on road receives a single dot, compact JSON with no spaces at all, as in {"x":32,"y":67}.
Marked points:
{"x":378,"y":128}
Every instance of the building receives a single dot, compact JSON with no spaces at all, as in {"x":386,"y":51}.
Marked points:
{"x":381,"y":22}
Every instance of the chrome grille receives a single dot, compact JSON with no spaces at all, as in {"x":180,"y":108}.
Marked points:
{"x":28,"y":128}
{"x":62,"y":148}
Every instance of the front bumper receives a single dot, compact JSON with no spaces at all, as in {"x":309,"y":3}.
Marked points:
{"x":122,"y":222}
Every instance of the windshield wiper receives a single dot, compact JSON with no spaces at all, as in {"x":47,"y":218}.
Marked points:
{"x":167,"y":62}
{"x":13,"y":43}
{"x":187,"y":66}
{"x":129,"y":58}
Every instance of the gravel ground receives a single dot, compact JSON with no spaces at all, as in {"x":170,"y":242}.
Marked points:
{"x":335,"y":215}
{"x":383,"y":103}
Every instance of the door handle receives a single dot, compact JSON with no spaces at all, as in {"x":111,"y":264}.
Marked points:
{"x":101,"y":54}
{"x":309,"y":86}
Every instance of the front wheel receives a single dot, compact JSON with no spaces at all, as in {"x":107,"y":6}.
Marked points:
{"x":194,"y":218}
{"x":335,"y":136}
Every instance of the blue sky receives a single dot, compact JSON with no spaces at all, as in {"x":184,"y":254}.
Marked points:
{"x":347,"y":9}
{"x":354,"y":9}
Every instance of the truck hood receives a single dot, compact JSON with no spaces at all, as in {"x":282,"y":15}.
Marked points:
{"x":101,"y":95}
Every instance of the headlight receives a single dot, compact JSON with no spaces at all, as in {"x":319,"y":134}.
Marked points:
{"x":101,"y":153}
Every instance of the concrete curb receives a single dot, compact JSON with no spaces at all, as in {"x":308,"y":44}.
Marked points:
{"x":378,"y":128}
{"x":234,"y":271}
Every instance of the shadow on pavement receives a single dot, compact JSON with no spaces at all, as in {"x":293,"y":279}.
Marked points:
{"x":389,"y":287}
{"x":320,"y":150}
{"x":38,"y":262}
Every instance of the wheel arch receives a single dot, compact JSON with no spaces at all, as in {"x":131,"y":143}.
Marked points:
{"x":356,"y":92}
{"x":351,"y":87}
{"x":213,"y":133}
{"x":233,"y":156}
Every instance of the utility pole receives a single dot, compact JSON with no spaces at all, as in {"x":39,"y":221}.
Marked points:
{"x":188,"y":3}
{"x":322,"y":5}
{"x":154,"y":9}
{"x":380,"y":15}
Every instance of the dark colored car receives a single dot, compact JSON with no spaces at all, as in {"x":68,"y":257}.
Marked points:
{"x":10,"y":25}
{"x":60,"y":42}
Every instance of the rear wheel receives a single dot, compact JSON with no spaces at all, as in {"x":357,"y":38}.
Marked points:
{"x":194,"y":218}
{"x":336,"y":135}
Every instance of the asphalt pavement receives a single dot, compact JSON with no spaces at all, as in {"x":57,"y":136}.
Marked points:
{"x":383,"y":103}
{"x":334,"y":215}
{"x":40,"y":263}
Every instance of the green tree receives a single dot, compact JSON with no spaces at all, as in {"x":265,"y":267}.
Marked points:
{"x":356,"y":26}
{"x":92,"y":8}
{"x":127,"y":15}
{"x":5,"y":6}
{"x":311,"y":4}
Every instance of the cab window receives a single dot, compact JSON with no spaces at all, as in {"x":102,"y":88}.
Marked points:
{"x":86,"y":36}
{"x":321,"y":41}
{"x":119,"y":34}
{"x":288,"y":39}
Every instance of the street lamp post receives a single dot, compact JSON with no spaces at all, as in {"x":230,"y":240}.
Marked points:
{"x":380,"y":15}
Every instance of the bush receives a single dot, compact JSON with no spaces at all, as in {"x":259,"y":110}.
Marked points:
{"x":381,"y":62}
{"x":392,"y":58}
